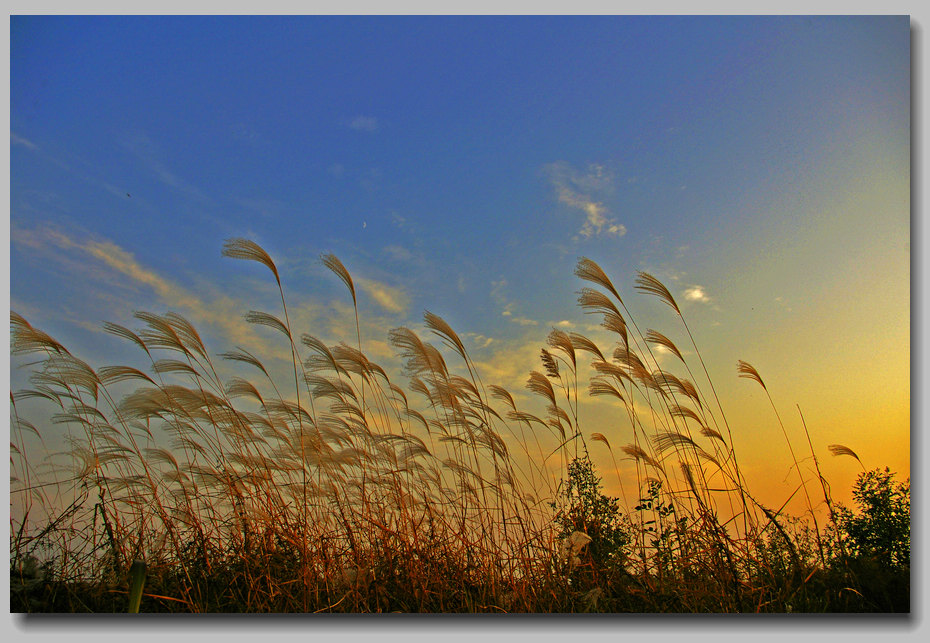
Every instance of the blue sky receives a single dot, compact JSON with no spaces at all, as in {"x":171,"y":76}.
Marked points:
{"x":759,"y":166}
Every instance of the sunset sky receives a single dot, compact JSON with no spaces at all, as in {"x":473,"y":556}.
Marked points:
{"x":758,"y":166}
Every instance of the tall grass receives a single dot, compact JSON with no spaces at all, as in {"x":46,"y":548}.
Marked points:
{"x":338,"y":489}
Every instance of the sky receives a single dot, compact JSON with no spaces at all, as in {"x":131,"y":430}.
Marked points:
{"x":758,"y":166}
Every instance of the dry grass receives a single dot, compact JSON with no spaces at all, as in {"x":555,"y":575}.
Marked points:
{"x":341,"y":490}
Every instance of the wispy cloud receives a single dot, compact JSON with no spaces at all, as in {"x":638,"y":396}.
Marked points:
{"x":578,"y":190}
{"x":364,"y":123}
{"x":140,"y":145}
{"x":498,"y":294}
{"x":478,"y":340}
{"x":391,"y":299}
{"x":19,"y":140}
{"x":224,"y":314}
{"x":398,"y":253}
{"x":780,"y":301}
{"x":268,"y":208}
{"x":510,"y":364}
{"x":523,"y":321}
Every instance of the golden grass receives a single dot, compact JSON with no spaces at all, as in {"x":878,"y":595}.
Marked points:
{"x":341,"y":490}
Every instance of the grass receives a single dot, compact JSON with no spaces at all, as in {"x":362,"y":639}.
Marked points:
{"x":335,"y":489}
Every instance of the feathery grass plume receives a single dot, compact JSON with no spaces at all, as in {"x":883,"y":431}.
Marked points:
{"x":561,"y":340}
{"x":244,"y":356}
{"x":332,"y":262}
{"x":167,"y":366}
{"x":125,"y":333}
{"x":539,"y":384}
{"x":113,"y":374}
{"x":420,"y":357}
{"x":523,"y":416}
{"x":322,"y":359}
{"x":599,"y":437}
{"x":745,"y":369}
{"x":74,"y":371}
{"x":839,"y":449}
{"x":239,"y":248}
{"x":26,"y":339}
{"x":672,"y":439}
{"x":324,"y":387}
{"x":590,"y":271}
{"x":267,"y":319}
{"x":606,"y":368}
{"x":625,"y":357}
{"x":689,"y":477}
{"x":710,"y":433}
{"x":670,"y":382}
{"x":160,"y":333}
{"x":580,"y":342}
{"x":502,"y":394}
{"x":187,"y":333}
{"x":557,"y":416}
{"x":659,"y":339}
{"x":600,"y":386}
{"x":440,"y":327}
{"x":649,"y":284}
{"x":549,"y":363}
{"x":688,"y":389}
{"x":638,"y":370}
{"x":637,"y":453}
{"x":676,"y":410}
{"x":464,"y":388}
{"x":352,"y":360}
{"x":594,"y":301}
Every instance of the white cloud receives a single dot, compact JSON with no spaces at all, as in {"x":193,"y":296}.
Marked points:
{"x":364,"y":123}
{"x":696,"y":293}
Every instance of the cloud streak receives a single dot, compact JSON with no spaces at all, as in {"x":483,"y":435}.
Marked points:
{"x":364,"y":124}
{"x":577,"y":190}
{"x":19,"y":140}
{"x":391,"y":299}
{"x":498,"y":289}
{"x":223,"y":313}
{"x":140,"y":145}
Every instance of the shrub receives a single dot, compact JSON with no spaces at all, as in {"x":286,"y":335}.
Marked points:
{"x":882,"y":528}
{"x":586,"y":509}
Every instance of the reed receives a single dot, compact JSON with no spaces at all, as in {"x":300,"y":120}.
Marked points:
{"x":343,"y":490}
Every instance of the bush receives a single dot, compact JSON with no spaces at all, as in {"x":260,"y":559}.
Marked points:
{"x":587,"y":509}
{"x":881,"y":530}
